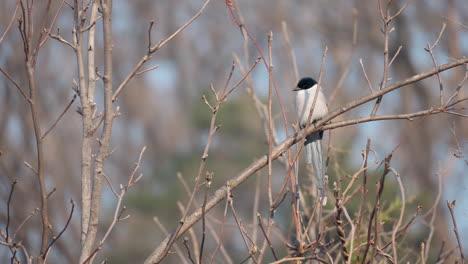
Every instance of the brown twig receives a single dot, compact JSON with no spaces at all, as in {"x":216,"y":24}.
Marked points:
{"x":16,"y":85}
{"x":10,"y":23}
{"x":23,"y":223}
{"x":188,"y":250}
{"x":266,"y":236}
{"x":386,"y":65}
{"x":219,"y":244}
{"x":60,"y":116}
{"x":455,"y":229}
{"x":118,"y":212}
{"x":152,"y":49}
{"x":55,"y":239}
{"x":252,"y":250}
{"x":433,"y":209}
{"x":365,"y":75}
{"x":164,"y":231}
{"x":44,"y":37}
{"x":363,"y":198}
{"x":298,"y":259}
{"x":380,"y":187}
{"x":402,"y":213}
{"x":12,"y":189}
{"x":403,"y":230}
{"x":339,"y":223}
{"x":208,"y":178}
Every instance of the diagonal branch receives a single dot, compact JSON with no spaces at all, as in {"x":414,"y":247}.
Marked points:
{"x":258,"y":164}
{"x":16,"y":85}
{"x":61,"y":115}
{"x":153,"y":49}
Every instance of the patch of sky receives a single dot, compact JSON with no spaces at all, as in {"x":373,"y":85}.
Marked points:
{"x":164,"y":78}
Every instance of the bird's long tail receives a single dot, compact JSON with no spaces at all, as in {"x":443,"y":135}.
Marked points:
{"x":313,"y":146}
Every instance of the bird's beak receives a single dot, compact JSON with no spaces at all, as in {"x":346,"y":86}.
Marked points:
{"x":296,"y":89}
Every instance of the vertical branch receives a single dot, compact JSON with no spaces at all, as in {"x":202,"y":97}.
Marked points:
{"x":363,"y":198}
{"x":270,"y":115}
{"x":339,"y":223}
{"x":26,"y":30}
{"x":455,"y":229}
{"x":374,"y":212}
{"x":87,"y":124}
{"x":208,"y":178}
{"x":402,"y":213}
{"x":87,"y":110}
{"x":91,"y":53}
{"x":106,"y":133}
{"x":386,"y":31}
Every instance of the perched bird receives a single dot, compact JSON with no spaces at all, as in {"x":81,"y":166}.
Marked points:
{"x":306,"y":91}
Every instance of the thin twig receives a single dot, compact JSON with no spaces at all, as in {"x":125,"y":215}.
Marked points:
{"x":12,"y":189}
{"x":208,"y":179}
{"x":30,"y":167}
{"x":60,"y":116}
{"x":455,"y":229}
{"x":43,"y":38}
{"x":402,"y":213}
{"x":298,"y":259}
{"x":374,"y":212}
{"x":339,"y":223}
{"x":395,"y":56}
{"x":188,"y":250}
{"x":10,"y":23}
{"x":266,"y":236}
{"x":433,"y":209}
{"x":365,"y":75}
{"x":16,"y":85}
{"x":147,"y":70}
{"x":270,"y":118}
{"x":166,"y":233}
{"x":117,"y":211}
{"x":153,"y":49}
{"x":250,"y":250}
{"x":55,"y":239}
{"x":219,"y":244}
{"x":363,"y":197}
{"x":401,"y":10}
{"x":402,"y":231}
{"x":24,"y":222}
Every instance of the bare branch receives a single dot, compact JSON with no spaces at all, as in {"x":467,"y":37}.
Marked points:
{"x":16,"y":85}
{"x":153,"y":49}
{"x":365,"y":75}
{"x":62,"y":231}
{"x":12,"y":189}
{"x":10,"y":23}
{"x":61,"y":115}
{"x":147,"y":70}
{"x":455,"y":229}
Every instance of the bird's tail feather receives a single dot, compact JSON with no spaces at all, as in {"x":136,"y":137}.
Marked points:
{"x":313,"y":146}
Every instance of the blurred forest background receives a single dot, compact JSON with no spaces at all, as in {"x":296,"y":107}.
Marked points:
{"x":163,"y":110}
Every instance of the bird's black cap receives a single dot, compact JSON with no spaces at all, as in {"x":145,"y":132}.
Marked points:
{"x":305,"y":83}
